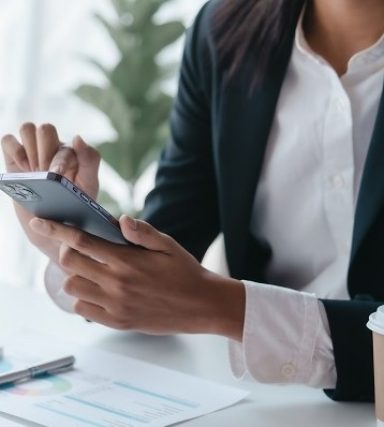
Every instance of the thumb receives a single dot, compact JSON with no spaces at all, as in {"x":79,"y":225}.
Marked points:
{"x":143,"y":234}
{"x":88,"y":160}
{"x":88,"y":157}
{"x":64,"y":162}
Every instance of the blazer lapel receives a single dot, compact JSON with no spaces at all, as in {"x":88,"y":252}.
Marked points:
{"x":242,"y":140}
{"x":371,"y":194}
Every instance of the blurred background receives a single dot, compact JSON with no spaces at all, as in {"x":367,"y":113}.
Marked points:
{"x":104,"y":69}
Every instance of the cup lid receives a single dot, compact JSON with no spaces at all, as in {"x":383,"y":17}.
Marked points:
{"x":376,"y":321}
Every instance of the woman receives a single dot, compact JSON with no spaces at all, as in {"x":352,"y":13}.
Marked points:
{"x":277,"y":106}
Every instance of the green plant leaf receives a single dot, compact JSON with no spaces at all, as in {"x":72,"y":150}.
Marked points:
{"x":118,"y":155}
{"x":111,"y":103}
{"x":166,"y":34}
{"x":117,"y":34}
{"x":143,"y":12}
{"x":122,"y":6}
{"x":134,"y":78}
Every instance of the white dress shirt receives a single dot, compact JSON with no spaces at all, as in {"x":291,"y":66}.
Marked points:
{"x":304,"y":208}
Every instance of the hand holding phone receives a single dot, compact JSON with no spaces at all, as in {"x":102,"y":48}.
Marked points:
{"x":51,"y":196}
{"x":39,"y":149}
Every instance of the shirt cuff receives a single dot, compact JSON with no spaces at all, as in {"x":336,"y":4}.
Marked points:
{"x":286,"y":339}
{"x":54,"y":279}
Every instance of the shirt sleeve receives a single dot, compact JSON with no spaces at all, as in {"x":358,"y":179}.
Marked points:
{"x":54,"y":279}
{"x":286,"y":339}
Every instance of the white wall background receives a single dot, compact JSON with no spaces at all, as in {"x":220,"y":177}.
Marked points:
{"x":43,"y":44}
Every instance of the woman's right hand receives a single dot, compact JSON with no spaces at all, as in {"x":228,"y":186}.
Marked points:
{"x":39,"y":149}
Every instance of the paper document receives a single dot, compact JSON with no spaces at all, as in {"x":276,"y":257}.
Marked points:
{"x":107,"y":390}
{"x":8,"y":423}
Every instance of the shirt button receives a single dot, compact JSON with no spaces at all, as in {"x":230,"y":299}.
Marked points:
{"x":288,"y":370}
{"x":337,"y":181}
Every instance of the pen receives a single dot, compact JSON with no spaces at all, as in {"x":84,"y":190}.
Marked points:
{"x":52,"y":367}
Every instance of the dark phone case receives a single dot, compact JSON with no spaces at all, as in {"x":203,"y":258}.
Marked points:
{"x":51,"y":196}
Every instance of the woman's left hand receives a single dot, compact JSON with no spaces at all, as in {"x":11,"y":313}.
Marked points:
{"x":156,"y":288}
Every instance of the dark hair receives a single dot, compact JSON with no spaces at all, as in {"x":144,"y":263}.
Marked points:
{"x":254,"y":29}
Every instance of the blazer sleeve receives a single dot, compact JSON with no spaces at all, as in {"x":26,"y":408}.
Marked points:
{"x":184,"y":201}
{"x":352,"y":345}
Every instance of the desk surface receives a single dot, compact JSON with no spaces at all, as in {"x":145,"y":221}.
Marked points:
{"x":201,"y":355}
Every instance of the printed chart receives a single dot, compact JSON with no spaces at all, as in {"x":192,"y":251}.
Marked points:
{"x":106,"y":390}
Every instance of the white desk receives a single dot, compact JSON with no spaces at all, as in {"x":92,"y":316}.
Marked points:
{"x":202,"y":355}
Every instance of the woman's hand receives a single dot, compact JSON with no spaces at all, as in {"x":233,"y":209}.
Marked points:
{"x":41,"y":150}
{"x":157,"y":288}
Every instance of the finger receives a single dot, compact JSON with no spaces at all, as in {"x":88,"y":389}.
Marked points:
{"x":87,"y":155}
{"x":89,"y":161}
{"x":65,"y":163}
{"x":81,"y":241}
{"x":85,"y":290}
{"x":28,"y":138}
{"x":96,"y":314}
{"x":82,"y":265}
{"x":47,"y":145}
{"x":14,"y":154}
{"x":143,"y":234}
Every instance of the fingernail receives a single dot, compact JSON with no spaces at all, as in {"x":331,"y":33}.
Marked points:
{"x":39,"y":225}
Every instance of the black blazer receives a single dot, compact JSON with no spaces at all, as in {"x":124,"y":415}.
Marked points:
{"x":207,"y":179}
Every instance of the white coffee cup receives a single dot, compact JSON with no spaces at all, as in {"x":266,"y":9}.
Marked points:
{"x":376,"y":325}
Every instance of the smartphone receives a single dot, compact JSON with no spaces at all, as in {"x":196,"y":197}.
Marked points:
{"x":51,"y":196}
